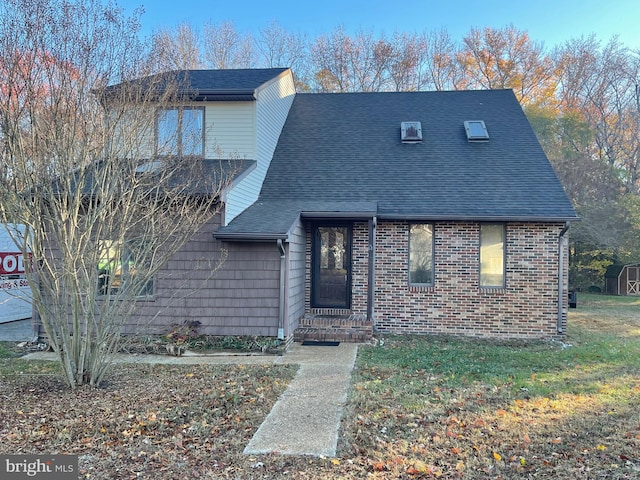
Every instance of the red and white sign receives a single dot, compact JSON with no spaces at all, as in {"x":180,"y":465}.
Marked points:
{"x":11,"y":263}
{"x":15,"y":293}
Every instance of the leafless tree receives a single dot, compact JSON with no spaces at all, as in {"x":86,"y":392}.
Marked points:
{"x":345,"y":63}
{"x":176,"y":48}
{"x":279,"y":48}
{"x":109,"y":181}
{"x":225,"y":47}
{"x":442,"y":69}
{"x":331,"y":62}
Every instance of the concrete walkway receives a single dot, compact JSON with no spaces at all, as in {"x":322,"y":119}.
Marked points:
{"x":306,"y":418}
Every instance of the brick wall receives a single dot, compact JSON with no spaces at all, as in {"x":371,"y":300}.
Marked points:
{"x":526,"y":308}
{"x":359,"y":268}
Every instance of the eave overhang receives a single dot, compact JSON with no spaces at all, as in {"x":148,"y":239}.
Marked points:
{"x":250,"y":237}
{"x":479,"y":218}
{"x":220,"y":95}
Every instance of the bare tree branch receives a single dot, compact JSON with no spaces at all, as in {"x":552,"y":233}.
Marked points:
{"x":109,"y":182}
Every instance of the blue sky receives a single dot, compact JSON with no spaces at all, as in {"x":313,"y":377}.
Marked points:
{"x":550,"y":21}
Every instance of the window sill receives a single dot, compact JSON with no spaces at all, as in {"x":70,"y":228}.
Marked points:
{"x":493,"y":290}
{"x":422,"y":288}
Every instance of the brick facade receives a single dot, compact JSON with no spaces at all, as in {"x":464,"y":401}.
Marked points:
{"x":527,"y":307}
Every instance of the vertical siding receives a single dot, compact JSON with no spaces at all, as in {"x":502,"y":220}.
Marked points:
{"x":296,"y":279}
{"x":240,"y":298}
{"x":271,"y":110}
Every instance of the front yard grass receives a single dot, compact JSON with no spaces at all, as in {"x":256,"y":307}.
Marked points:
{"x":419,"y":408}
{"x":455,"y":408}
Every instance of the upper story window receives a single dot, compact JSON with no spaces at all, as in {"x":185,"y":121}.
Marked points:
{"x":180,"y":132}
{"x":421,"y":254}
{"x":492,"y":255}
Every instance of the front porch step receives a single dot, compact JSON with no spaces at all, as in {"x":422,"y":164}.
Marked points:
{"x":334,"y":328}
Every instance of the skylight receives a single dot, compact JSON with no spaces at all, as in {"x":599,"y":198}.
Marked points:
{"x":476,"y":131}
{"x":411,"y":132}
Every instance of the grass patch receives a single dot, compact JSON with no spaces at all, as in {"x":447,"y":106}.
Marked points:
{"x":6,"y":350}
{"x":606,"y":314}
{"x":458,"y":408}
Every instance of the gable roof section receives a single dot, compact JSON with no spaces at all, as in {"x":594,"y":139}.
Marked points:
{"x":210,"y":85}
{"x":345,"y":150}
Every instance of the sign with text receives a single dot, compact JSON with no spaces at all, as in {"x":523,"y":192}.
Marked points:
{"x":15,"y":294}
{"x":45,"y":467}
{"x":11,"y":263}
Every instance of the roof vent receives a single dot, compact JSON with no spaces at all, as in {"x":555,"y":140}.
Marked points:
{"x":410,"y":132}
{"x":476,"y":131}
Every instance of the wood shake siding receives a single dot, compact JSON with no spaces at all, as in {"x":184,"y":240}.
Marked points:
{"x":526,"y":308}
{"x":241,"y":298}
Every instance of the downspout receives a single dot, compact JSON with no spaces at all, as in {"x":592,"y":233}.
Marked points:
{"x":561,"y":243}
{"x":282,"y":291}
{"x":372,"y":268}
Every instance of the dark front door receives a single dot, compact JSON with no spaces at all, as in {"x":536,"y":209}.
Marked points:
{"x":331,"y":267}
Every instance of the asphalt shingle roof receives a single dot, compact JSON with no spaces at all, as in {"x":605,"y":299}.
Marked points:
{"x":338,"y":152}
{"x":210,"y":85}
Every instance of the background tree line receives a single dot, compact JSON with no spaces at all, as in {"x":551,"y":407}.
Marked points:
{"x":582,"y":98}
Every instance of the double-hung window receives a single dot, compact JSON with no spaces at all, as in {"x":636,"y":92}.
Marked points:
{"x":492,"y":255}
{"x":122,"y":266}
{"x":180,"y":132}
{"x":421,"y":254}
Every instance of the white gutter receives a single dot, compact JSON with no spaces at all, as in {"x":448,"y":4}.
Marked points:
{"x":562,"y":240}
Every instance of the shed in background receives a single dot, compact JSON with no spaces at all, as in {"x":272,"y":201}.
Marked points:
{"x":622,"y":279}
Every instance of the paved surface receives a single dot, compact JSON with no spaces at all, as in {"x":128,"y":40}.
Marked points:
{"x":306,"y":418}
{"x":16,"y":331}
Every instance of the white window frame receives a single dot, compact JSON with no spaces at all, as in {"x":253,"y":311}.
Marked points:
{"x":170,"y":139}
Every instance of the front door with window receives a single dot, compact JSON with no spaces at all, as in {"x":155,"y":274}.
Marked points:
{"x":331,"y":266}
